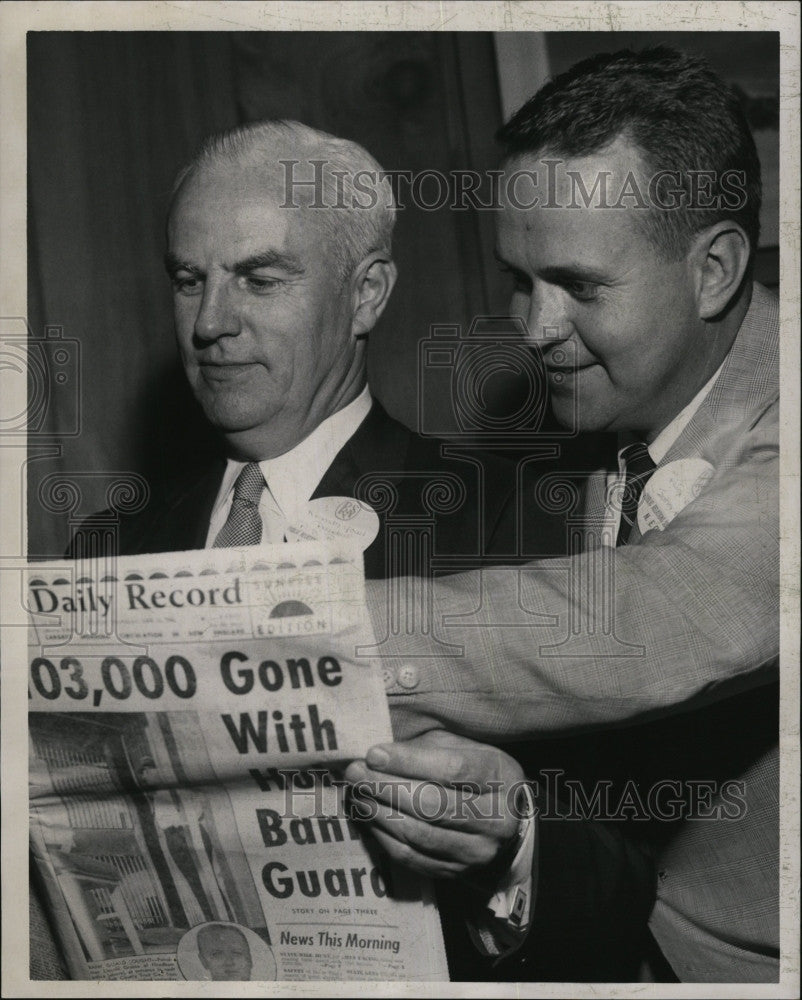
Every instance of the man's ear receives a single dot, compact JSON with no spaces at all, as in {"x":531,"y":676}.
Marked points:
{"x":373,"y":281}
{"x":722,"y":256}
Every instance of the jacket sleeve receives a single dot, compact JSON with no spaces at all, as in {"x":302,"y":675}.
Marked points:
{"x":595,"y":891}
{"x":687,"y":616}
{"x":595,"y":888}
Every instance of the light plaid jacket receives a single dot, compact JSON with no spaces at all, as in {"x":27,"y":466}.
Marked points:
{"x":677,"y":619}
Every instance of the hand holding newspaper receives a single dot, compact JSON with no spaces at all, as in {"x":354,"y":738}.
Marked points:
{"x":190,"y":716}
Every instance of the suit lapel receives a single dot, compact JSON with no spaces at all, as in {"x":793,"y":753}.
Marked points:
{"x":594,"y":508}
{"x":749,"y":379}
{"x":379,"y":445}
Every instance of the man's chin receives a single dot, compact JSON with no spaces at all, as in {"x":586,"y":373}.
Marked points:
{"x":570,"y":416}
{"x":252,"y":440}
{"x":229,"y":416}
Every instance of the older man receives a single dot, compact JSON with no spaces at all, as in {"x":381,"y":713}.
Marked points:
{"x":629,"y":221}
{"x":280,"y":269}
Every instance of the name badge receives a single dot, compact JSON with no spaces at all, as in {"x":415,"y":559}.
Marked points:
{"x":336,"y":518}
{"x":669,"y":490}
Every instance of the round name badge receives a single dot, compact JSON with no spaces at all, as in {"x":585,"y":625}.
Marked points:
{"x":336,"y":518}
{"x":669,"y":490}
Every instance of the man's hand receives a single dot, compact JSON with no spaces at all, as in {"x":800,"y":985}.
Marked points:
{"x":441,"y":804}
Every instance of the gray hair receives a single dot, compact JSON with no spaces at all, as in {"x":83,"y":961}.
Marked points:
{"x":335,"y":177}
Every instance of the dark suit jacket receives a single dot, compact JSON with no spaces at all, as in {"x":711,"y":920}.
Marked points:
{"x":595,"y":888}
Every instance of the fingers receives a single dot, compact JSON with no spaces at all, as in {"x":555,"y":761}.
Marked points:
{"x":462,"y":808}
{"x":445,"y":758}
{"x":409,"y":857}
{"x":438,"y":851}
{"x":440,"y":804}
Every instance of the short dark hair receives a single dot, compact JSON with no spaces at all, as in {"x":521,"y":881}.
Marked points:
{"x":680,"y":115}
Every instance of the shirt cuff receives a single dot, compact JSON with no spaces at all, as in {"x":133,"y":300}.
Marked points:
{"x":503,"y":924}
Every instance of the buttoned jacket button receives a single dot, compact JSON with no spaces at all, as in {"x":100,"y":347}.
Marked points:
{"x":408,"y":676}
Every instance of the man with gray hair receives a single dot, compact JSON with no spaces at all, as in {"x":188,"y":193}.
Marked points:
{"x":279,"y":252}
{"x":272,"y":337}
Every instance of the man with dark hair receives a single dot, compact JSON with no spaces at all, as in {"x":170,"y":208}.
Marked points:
{"x":628,"y":221}
{"x":690,"y":130}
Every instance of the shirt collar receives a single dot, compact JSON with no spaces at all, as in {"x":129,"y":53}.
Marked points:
{"x":293,"y":476}
{"x":660,"y":445}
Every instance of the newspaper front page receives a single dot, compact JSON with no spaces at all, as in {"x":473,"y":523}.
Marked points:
{"x":190,"y":717}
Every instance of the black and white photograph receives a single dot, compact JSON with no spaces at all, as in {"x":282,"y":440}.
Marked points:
{"x":503,"y":297}
{"x":223,"y":952}
{"x":138,"y":845}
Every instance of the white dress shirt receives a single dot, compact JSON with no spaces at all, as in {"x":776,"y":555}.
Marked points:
{"x":292,"y":478}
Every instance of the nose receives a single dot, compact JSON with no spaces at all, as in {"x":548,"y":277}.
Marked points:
{"x":217,"y":316}
{"x":544,"y":310}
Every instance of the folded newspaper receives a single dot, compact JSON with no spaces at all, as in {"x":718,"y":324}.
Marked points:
{"x":190,"y":716}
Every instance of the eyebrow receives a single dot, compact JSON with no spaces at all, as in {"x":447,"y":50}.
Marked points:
{"x":269,"y":258}
{"x":287,"y":262}
{"x":560,"y":272}
{"x":572,"y":272}
{"x":173,"y":264}
{"x":503,"y":262}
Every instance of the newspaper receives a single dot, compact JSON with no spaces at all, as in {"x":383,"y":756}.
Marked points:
{"x":190,"y":717}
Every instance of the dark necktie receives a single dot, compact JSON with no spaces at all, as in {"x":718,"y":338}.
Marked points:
{"x":244,"y":523}
{"x":639,"y":466}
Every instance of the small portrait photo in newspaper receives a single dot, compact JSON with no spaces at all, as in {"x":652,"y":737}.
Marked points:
{"x":222,"y":951}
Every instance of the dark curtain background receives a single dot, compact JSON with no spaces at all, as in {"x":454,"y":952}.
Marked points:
{"x":113,"y":116}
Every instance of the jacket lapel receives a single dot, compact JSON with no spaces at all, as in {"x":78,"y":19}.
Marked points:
{"x":594,"y":508}
{"x":379,"y":445}
{"x":749,"y":380}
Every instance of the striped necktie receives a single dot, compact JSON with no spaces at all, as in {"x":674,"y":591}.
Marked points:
{"x":244,"y":524}
{"x":638,"y":466}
